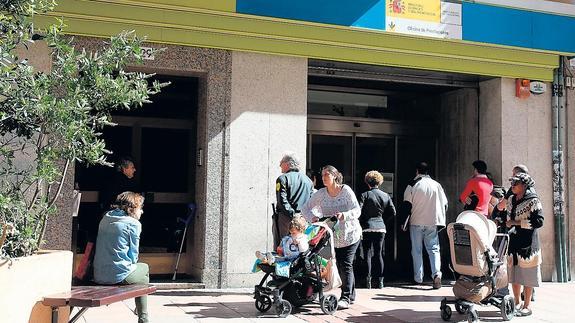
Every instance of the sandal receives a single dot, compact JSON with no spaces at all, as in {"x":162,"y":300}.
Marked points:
{"x":524,"y":312}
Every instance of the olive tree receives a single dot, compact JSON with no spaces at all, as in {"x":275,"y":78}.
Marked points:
{"x":52,"y":119}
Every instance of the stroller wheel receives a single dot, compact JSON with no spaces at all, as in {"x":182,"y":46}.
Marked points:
{"x":472,"y":316}
{"x":263,"y":303}
{"x":461,"y":309}
{"x":507,"y":307}
{"x":328,"y":304}
{"x":283,"y":308}
{"x":445,"y":312}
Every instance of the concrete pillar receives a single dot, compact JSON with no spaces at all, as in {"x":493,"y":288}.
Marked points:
{"x":268,"y":116}
{"x":458,"y":144}
{"x":518,"y":131}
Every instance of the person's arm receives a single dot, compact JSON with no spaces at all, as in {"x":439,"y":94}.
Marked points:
{"x":406,"y":205}
{"x":134,"y":247}
{"x":443,"y":197}
{"x":353,"y":210}
{"x":536,"y":216}
{"x":389,"y":210}
{"x":282,"y":198}
{"x":303,"y":243}
{"x":311,"y":210}
{"x":363,"y":215}
{"x":466,"y":191}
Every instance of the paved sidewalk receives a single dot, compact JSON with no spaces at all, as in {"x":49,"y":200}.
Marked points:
{"x":405,"y":303}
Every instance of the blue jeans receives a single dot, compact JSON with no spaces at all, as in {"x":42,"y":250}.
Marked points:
{"x":424,"y":235}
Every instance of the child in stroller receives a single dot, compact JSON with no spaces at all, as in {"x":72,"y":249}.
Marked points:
{"x":481,"y":269}
{"x":304,"y":282}
{"x":290,"y":247}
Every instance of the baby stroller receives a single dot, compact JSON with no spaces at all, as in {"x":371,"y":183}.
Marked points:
{"x":304,"y":284}
{"x":480,"y":268}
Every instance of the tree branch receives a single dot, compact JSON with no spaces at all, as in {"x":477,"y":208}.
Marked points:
{"x":60,"y":184}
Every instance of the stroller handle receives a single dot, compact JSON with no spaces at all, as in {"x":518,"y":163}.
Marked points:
{"x":328,"y":218}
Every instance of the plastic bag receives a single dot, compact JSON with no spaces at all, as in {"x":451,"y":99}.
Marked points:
{"x":332,"y":275}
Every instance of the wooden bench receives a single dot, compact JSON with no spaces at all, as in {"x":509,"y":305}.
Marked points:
{"x":86,"y":297}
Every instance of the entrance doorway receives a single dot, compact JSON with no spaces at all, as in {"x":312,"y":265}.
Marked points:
{"x":161,"y":139}
{"x":363,"y":117}
{"x":358,"y":146}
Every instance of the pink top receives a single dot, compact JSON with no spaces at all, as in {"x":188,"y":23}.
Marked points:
{"x":482,"y":187}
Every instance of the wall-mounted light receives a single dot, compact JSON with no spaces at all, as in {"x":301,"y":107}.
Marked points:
{"x":522,"y":88}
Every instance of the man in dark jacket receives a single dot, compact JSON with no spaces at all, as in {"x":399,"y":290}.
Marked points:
{"x":293,"y":190}
{"x":123,"y":180}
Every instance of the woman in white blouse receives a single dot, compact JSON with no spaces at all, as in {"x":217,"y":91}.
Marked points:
{"x":337,"y":199}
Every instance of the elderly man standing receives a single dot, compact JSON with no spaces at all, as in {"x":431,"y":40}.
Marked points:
{"x":293,"y":190}
{"x":425,"y":200}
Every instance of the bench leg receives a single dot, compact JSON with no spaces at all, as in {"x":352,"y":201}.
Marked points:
{"x":54,"y":314}
{"x":78,"y":315}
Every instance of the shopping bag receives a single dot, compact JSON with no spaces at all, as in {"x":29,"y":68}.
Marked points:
{"x":332,"y":275}
{"x":85,"y":269}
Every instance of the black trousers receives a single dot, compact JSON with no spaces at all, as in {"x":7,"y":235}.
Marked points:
{"x":344,"y":258}
{"x":374,"y":252}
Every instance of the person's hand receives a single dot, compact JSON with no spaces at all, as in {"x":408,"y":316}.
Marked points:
{"x":339,"y":216}
{"x":314,"y":219}
{"x":511,"y":223}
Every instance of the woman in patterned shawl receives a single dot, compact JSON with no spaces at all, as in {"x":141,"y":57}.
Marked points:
{"x":524,"y":216}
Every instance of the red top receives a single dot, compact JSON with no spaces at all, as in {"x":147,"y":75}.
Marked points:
{"x":482,"y":187}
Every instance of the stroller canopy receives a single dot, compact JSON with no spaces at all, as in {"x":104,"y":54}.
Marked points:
{"x":470,"y":238}
{"x":485,"y":228}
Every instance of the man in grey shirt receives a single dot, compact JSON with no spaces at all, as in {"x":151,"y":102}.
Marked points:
{"x":293,"y":190}
{"x":425,"y":200}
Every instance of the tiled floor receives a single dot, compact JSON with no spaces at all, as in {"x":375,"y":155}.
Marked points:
{"x":405,"y":303}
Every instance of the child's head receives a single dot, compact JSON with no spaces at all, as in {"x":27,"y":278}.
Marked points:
{"x":297,"y":225}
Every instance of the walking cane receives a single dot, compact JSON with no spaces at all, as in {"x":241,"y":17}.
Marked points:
{"x":275,"y":226}
{"x":191,"y":213}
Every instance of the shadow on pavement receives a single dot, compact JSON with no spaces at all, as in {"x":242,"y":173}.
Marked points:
{"x":408,"y":298}
{"x":199,"y":292}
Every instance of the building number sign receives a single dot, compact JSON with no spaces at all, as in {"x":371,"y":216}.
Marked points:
{"x":148,"y":53}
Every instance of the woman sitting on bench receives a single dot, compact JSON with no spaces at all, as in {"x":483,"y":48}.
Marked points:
{"x":116,"y":259}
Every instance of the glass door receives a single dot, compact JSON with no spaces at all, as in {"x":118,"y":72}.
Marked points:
{"x":335,"y":150}
{"x":395,"y":156}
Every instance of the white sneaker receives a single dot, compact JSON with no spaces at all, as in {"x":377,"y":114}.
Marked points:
{"x":342,"y":304}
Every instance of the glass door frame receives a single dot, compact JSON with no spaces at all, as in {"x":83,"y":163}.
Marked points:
{"x":368,"y":128}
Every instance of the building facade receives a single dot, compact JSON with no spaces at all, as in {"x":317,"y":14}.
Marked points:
{"x":377,"y":84}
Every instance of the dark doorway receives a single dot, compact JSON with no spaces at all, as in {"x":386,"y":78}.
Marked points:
{"x":161,"y":139}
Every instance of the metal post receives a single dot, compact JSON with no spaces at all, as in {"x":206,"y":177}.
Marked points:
{"x":558,"y":174}
{"x":562,"y":144}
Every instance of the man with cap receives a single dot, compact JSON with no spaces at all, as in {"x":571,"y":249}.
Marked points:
{"x":293,"y":190}
{"x":478,"y":189}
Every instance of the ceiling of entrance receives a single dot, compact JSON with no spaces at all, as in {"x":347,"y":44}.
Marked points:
{"x":364,"y":76}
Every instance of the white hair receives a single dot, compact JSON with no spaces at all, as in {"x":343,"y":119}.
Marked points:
{"x":291,"y":159}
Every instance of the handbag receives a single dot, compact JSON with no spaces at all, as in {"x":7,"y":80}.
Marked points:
{"x":85,"y":269}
